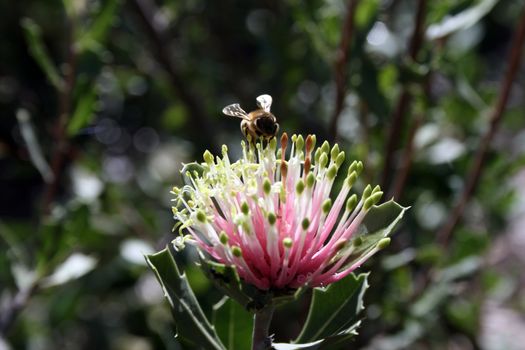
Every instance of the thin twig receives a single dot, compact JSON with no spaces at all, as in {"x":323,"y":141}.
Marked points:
{"x":64,"y":111}
{"x":17,"y":304}
{"x":340,"y":68}
{"x":472,"y":179}
{"x":159,"y":39}
{"x":403,"y":103}
{"x":406,"y":161}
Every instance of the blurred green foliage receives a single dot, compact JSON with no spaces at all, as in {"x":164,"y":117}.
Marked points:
{"x":120,"y":93}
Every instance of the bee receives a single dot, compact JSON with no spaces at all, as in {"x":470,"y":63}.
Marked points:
{"x":260,"y":123}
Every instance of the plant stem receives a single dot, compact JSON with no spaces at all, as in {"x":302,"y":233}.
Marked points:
{"x":514,"y":59}
{"x":159,"y":39}
{"x":61,"y":137}
{"x":405,"y":98}
{"x":340,"y":69}
{"x":261,"y":327}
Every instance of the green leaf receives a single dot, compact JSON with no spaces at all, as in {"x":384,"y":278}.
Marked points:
{"x":383,"y":218}
{"x":339,"y":341}
{"x":84,"y":112}
{"x":93,"y":37}
{"x":233,"y":324}
{"x":192,"y":325}
{"x":33,"y":35}
{"x":379,"y":223}
{"x":334,"y":309}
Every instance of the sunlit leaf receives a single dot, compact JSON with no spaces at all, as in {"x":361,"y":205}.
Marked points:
{"x":233,"y":324}
{"x":75,"y":266}
{"x":334,"y":309}
{"x":192,"y":325}
{"x":460,"y":21}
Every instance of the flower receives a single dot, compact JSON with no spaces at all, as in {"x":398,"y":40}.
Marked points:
{"x":272,"y":217}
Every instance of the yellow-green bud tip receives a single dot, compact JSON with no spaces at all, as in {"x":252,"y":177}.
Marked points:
{"x":271,"y":218}
{"x":367,"y":191}
{"x":299,"y":187}
{"x":299,"y":143}
{"x":236,"y":251}
{"x":340,"y":159}
{"x":334,"y":152}
{"x":305,"y":224}
{"x":273,"y":144}
{"x":325,"y":147}
{"x":267,"y":186}
{"x":323,"y":160}
{"x":351,"y":202}
{"x":327,"y":204}
{"x":223,"y":237}
{"x":208,"y":157}
{"x":287,"y":242}
{"x":332,"y":172}
{"x":310,"y":180}
{"x":373,"y":199}
{"x":382,"y":244}
{"x":245,"y":208}
{"x":351,"y":179}
{"x":201,"y":216}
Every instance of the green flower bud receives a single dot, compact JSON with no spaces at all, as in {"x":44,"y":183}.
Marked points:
{"x":299,"y":187}
{"x":327,"y":204}
{"x":305,"y":224}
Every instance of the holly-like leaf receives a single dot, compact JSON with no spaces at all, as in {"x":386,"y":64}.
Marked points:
{"x":334,"y":309}
{"x":379,"y":223}
{"x":339,"y":341}
{"x":233,"y":324}
{"x":383,"y":218}
{"x":192,"y":325}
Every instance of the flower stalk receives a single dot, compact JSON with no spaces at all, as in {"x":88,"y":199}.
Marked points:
{"x":261,"y":327}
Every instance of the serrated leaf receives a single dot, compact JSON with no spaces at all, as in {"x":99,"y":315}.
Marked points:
{"x":379,"y":223}
{"x":383,"y":218}
{"x":233,"y":324}
{"x":334,"y":309}
{"x":33,"y":35}
{"x":192,"y":325}
{"x":339,"y":341}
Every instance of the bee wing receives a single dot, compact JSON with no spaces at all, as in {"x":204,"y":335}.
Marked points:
{"x":264,"y":102}
{"x":235,"y":110}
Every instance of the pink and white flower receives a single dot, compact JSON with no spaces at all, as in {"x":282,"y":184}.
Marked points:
{"x":271,"y":216}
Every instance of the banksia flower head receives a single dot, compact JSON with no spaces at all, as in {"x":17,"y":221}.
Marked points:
{"x":271,"y":216}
